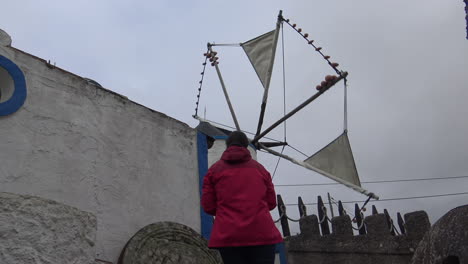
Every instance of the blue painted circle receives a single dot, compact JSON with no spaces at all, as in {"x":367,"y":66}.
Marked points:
{"x":19,"y":94}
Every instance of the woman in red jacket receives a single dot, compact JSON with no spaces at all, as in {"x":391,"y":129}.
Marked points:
{"x":239,"y":192}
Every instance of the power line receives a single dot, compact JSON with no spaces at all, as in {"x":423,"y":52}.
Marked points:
{"x":384,"y":181}
{"x":394,"y":199}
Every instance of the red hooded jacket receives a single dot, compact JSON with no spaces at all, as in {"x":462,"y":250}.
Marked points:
{"x":239,"y":192}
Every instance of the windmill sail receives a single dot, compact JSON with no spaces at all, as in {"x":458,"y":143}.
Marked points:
{"x":337,"y":159}
{"x":261,"y":53}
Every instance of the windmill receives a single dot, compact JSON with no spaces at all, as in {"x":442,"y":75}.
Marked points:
{"x":335,"y":160}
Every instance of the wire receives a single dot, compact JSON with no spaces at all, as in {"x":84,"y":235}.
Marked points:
{"x":384,"y":181}
{"x":201,"y":83}
{"x":345,"y":106}
{"x":394,"y":199}
{"x":318,"y":49}
{"x":284,"y":100}
{"x":298,"y":150}
{"x":228,"y":44}
{"x":277,"y":163}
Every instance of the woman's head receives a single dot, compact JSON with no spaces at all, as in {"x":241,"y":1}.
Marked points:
{"x":237,"y":138}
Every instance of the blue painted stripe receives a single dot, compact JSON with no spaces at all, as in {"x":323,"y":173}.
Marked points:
{"x":19,"y":94}
{"x":280,"y":248}
{"x":206,"y":219}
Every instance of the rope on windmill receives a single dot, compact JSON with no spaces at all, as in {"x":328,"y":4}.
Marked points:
{"x":279,"y":219}
{"x":201,"y":83}
{"x":362,"y":222}
{"x":325,"y":217}
{"x":334,"y":65}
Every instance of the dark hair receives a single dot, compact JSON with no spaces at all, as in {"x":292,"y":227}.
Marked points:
{"x":237,"y":138}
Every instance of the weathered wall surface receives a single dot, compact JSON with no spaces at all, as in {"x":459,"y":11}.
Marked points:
{"x":79,"y":144}
{"x":168,"y":242}
{"x":341,"y":246}
{"x":446,"y":241}
{"x":38,"y":231}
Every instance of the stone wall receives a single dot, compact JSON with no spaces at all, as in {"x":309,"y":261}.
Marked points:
{"x":447,"y":240}
{"x":39,"y":231}
{"x":342,"y":246}
{"x":82,"y":145}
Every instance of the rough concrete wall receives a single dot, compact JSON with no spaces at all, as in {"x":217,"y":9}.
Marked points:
{"x":84,"y":146}
{"x":447,"y":238}
{"x":355,"y":250}
{"x":39,"y":231}
{"x":341,"y":246}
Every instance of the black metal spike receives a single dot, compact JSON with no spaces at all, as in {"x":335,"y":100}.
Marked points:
{"x":341,"y":209}
{"x":284,"y":218}
{"x":374,"y":210}
{"x":302,"y":207}
{"x":358,"y":217}
{"x":389,"y":222}
{"x":322,"y":216}
{"x":401,"y":224}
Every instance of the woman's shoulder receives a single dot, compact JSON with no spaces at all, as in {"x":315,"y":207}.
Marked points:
{"x":218,"y":166}
{"x":257,"y":165}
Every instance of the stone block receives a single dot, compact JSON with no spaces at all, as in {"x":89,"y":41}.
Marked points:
{"x":38,"y":231}
{"x":376,"y":225}
{"x":309,"y":226}
{"x":168,"y":242}
{"x":417,"y":224}
{"x":341,"y":226}
{"x":446,"y":241}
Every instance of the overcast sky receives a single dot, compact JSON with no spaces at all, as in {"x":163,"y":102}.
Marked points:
{"x":407,"y":64}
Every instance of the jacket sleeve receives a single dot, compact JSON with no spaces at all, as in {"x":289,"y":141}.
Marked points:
{"x":208,"y":200}
{"x":270,"y":194}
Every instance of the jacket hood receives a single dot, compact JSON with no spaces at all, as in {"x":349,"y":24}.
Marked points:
{"x":236,"y":154}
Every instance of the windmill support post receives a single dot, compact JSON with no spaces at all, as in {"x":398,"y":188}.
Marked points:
{"x":226,"y":95}
{"x":304,"y":104}
{"x":330,"y":204}
{"x":267,"y":85}
{"x":319,"y":171}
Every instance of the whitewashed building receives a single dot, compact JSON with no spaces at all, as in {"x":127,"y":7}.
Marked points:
{"x":123,"y":166}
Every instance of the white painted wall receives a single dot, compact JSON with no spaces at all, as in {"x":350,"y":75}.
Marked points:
{"x":219,"y":146}
{"x":83,"y":146}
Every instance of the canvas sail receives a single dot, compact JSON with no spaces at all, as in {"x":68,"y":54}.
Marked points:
{"x":261,"y":53}
{"x":337,"y":159}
